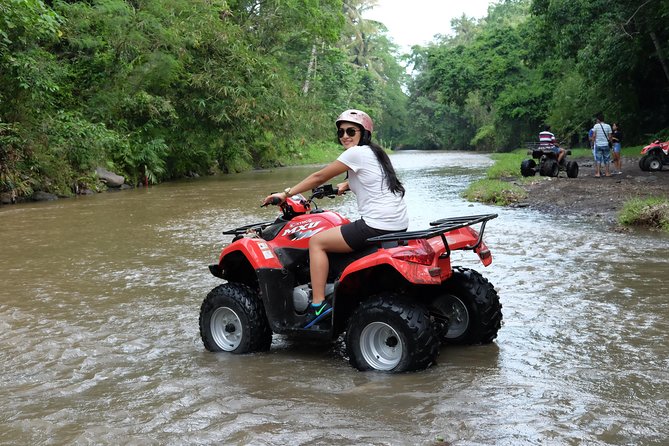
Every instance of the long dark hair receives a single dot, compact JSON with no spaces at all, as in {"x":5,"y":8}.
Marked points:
{"x":394,"y":184}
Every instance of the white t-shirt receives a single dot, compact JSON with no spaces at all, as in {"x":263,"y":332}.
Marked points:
{"x":601,"y":133}
{"x":378,"y":206}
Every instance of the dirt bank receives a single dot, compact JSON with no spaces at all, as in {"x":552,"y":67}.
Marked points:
{"x":589,"y":196}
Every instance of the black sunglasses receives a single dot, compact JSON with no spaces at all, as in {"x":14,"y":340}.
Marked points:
{"x":350,"y":131}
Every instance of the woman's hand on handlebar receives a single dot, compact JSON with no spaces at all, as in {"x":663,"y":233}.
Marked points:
{"x":274,"y":199}
{"x":342,"y":188}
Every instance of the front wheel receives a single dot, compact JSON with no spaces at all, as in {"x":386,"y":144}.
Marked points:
{"x":472,"y":307}
{"x":389,"y":334}
{"x":654,"y":163}
{"x":232,"y":319}
{"x":528,"y":168}
{"x":572,"y":169}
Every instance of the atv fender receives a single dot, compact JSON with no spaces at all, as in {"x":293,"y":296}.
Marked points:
{"x":412,"y":272}
{"x":256,"y":250}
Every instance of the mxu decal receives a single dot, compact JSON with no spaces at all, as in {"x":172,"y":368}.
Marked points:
{"x":303,"y":227}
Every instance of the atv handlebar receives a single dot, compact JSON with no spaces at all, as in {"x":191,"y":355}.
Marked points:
{"x":325,"y":190}
{"x":274,"y":201}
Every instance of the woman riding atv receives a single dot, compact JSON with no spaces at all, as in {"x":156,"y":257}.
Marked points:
{"x":379,"y":193}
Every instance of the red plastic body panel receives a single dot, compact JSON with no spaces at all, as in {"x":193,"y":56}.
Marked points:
{"x":418,"y":273}
{"x":295,"y":234}
{"x":258,"y":252}
{"x":299,"y":230}
{"x":664,"y":146}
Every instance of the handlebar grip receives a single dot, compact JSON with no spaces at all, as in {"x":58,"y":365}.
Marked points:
{"x":274,"y":201}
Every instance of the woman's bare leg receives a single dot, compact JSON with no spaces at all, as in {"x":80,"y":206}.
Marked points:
{"x":319,"y":246}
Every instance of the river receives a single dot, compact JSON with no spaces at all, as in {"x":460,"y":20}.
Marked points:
{"x":99,"y":340}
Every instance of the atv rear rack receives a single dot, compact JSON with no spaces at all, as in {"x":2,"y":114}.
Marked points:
{"x":439,"y":228}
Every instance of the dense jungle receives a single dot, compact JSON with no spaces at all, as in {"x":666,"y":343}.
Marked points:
{"x":156,"y":90}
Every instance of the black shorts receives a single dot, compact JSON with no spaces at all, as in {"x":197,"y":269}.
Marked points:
{"x":356,"y":233}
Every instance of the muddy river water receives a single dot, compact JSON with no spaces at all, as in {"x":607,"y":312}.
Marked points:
{"x":99,"y":341}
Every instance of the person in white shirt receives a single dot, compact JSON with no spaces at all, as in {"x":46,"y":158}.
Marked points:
{"x":601,"y":134}
{"x":547,"y":141}
{"x":379,"y":193}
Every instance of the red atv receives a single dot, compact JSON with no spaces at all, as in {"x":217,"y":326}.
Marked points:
{"x":655,"y":155}
{"x":397,"y":301}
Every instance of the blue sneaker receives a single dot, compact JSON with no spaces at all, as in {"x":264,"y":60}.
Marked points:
{"x":316,"y":313}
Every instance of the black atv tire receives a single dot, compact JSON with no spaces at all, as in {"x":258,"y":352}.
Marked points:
{"x":654,"y":163}
{"x":387,"y":333}
{"x":572,"y":169}
{"x":549,"y":168}
{"x":472,"y":307}
{"x":643,"y":163}
{"x":232,"y":319}
{"x":528,"y":168}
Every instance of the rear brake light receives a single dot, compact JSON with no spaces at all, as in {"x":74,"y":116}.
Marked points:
{"x":422,"y":253}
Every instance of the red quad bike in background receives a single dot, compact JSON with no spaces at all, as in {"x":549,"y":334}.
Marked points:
{"x":397,"y":301}
{"x":655,"y":155}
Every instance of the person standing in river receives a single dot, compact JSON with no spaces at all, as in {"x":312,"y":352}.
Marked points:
{"x":379,"y":193}
{"x":601,"y":134}
{"x":616,"y":138}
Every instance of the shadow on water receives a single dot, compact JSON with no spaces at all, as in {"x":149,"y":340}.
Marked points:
{"x":99,"y":332}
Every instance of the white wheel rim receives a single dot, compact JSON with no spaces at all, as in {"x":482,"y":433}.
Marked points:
{"x":226,"y":329}
{"x":381,"y":346}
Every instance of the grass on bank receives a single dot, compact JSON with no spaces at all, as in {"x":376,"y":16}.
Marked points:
{"x":650,"y":213}
{"x":497,"y":192}
{"x":495,"y":188}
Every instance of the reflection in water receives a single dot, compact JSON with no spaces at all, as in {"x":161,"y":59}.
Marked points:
{"x":99,"y":335}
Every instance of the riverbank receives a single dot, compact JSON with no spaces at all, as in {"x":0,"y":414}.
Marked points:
{"x":599,"y":198}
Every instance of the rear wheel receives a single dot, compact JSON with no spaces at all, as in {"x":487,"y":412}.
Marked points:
{"x":389,"y":334}
{"x":528,"y":168}
{"x":549,"y":168}
{"x":471,"y":305}
{"x":572,"y":169}
{"x":232,"y":319}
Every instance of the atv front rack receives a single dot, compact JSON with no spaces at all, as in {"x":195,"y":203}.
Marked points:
{"x":439,"y":228}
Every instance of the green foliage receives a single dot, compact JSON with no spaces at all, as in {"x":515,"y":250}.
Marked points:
{"x":82,"y":144}
{"x":159,"y":89}
{"x":533,"y":62}
{"x":610,"y":55}
{"x":13,"y":153}
{"x":651,"y":213}
{"x":24,"y":21}
{"x":301,"y":152}
{"x":475,"y":76}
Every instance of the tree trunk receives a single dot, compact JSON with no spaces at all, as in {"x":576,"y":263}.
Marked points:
{"x":660,"y":54}
{"x":310,"y":70}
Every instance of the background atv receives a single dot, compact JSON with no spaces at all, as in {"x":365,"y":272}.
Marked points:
{"x":548,"y":165}
{"x":397,"y":301}
{"x":655,"y":155}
